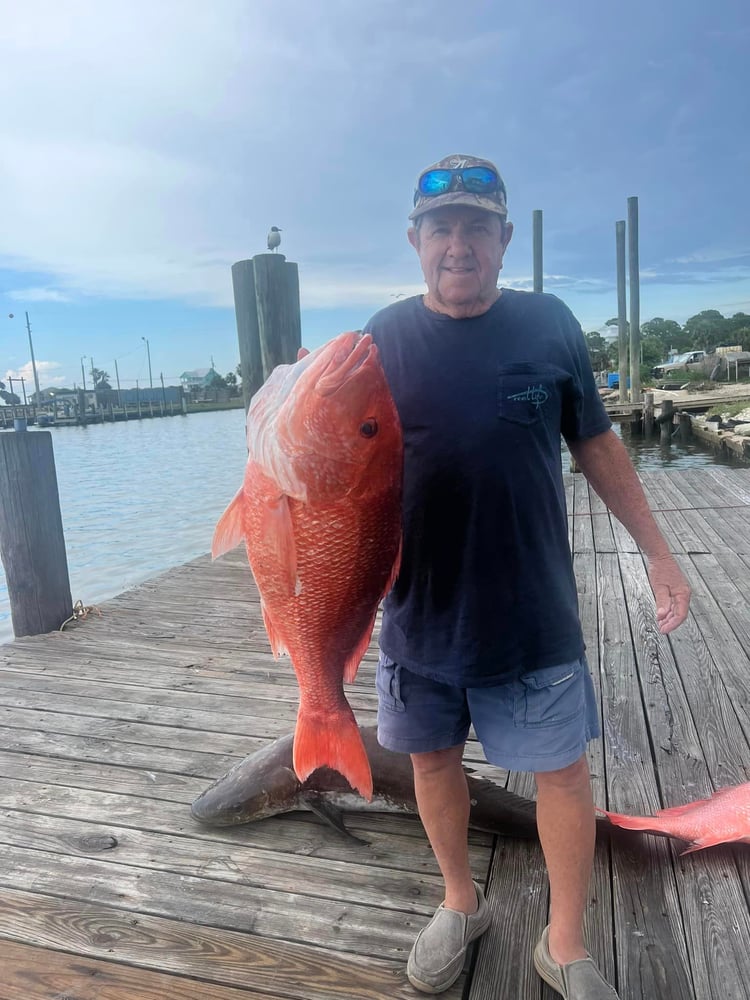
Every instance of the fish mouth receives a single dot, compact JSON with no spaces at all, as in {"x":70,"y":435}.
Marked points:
{"x":352,"y":355}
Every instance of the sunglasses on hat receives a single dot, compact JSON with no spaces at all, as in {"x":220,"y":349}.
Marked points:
{"x":440,"y":180}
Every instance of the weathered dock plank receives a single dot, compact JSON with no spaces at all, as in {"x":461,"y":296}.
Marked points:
{"x":109,"y":729}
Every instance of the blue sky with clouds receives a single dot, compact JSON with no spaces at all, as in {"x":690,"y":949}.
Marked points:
{"x":146,"y":146}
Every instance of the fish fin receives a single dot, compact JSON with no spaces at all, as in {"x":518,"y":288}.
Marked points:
{"x":278,"y":646}
{"x":674,"y":811}
{"x":645,"y":823}
{"x":336,"y":743}
{"x":355,"y":657}
{"x":331,"y":815}
{"x":704,"y":842}
{"x":278,"y":531}
{"x":352,"y":664}
{"x":395,"y":568}
{"x":229,"y":531}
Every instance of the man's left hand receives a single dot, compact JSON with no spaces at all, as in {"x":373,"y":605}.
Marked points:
{"x":671,"y":591}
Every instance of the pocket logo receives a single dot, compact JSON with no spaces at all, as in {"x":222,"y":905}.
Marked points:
{"x":537,"y":395}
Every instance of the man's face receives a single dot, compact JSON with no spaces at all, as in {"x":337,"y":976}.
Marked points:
{"x":461,"y":252}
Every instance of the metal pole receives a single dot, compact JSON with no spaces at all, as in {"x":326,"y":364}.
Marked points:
{"x":119,"y":394}
{"x":538,"y":265}
{"x":635,"y":302}
{"x":163,"y":390}
{"x":148,"y":352}
{"x":622,"y":320}
{"x":83,"y":373}
{"x":33,"y":362}
{"x":23,"y":390}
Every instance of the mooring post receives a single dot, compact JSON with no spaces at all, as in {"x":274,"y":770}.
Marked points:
{"x":635,"y":303}
{"x":666,"y":418}
{"x":648,"y":414}
{"x":622,"y":314}
{"x":686,"y":426}
{"x":246,"y":314}
{"x":537,"y":229}
{"x":32,"y":545}
{"x":277,"y":303}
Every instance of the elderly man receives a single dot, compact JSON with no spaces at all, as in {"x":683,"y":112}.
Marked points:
{"x":482,"y":626}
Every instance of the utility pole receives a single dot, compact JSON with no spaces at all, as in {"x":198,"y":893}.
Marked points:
{"x":119,"y":394}
{"x":33,"y":362}
{"x":148,"y":352}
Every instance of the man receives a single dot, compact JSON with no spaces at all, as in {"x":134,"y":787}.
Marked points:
{"x":482,"y":626}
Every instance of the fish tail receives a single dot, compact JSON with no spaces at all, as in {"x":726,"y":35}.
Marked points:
{"x":335,"y":742}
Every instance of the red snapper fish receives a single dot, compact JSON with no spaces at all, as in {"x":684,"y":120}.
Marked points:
{"x":723,"y":818}
{"x":320,"y":514}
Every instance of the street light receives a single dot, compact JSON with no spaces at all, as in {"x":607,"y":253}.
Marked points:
{"x":148,"y":352}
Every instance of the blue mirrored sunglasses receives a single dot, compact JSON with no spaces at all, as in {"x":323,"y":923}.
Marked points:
{"x":476,"y":180}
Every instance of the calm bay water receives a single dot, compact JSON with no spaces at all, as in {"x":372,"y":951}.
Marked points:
{"x":139,"y":497}
{"x":142,"y":496}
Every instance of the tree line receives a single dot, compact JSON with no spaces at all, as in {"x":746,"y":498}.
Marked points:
{"x":705,"y":331}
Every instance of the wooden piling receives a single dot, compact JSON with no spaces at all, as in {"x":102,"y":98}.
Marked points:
{"x":648,"y":414}
{"x":635,"y":303}
{"x":246,"y":314}
{"x":537,"y":227}
{"x":32,"y":545}
{"x":622,"y":318}
{"x":665,"y":421}
{"x":266,"y":302}
{"x":277,"y":303}
{"x":686,"y":427}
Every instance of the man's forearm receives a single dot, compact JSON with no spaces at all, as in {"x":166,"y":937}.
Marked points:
{"x":606,"y":464}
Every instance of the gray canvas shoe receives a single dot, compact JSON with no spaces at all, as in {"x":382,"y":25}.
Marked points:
{"x":437,"y":958}
{"x":579,"y":980}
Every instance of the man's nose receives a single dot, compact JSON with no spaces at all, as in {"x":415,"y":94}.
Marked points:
{"x":459,"y":245}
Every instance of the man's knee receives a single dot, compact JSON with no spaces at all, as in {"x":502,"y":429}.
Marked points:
{"x":435,"y":761}
{"x":571,"y":777}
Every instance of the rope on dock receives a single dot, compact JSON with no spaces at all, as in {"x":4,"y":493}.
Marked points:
{"x":80,"y":611}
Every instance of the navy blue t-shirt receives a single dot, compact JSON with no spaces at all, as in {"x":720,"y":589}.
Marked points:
{"x":486,"y":590}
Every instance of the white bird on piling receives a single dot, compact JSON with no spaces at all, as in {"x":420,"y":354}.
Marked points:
{"x":274,"y":238}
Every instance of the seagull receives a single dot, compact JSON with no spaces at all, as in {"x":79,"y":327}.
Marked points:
{"x":273,"y":238}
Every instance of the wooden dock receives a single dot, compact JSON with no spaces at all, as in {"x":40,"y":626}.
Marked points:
{"x":110,"y":891}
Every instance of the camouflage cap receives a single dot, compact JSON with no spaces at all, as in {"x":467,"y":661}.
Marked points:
{"x":492,"y":201}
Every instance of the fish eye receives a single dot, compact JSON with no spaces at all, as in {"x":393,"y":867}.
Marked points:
{"x":369,"y":428}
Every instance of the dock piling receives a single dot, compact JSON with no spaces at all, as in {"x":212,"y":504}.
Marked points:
{"x":32,"y":545}
{"x":266,"y":302}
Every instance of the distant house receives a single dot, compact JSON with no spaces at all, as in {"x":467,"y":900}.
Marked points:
{"x":198,"y":378}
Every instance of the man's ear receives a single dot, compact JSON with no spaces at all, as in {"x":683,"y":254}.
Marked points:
{"x":412,"y":234}
{"x":507,"y":234}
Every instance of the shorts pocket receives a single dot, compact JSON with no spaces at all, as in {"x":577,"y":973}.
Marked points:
{"x":551,"y":696}
{"x":388,"y":684}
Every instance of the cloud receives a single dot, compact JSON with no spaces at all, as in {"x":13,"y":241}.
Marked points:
{"x":45,"y":371}
{"x":38,"y":295}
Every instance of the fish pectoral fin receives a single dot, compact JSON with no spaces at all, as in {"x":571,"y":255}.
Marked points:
{"x":229,"y":532}
{"x":278,"y":534}
{"x":331,"y":815}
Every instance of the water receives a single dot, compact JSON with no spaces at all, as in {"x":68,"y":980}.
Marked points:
{"x":142,"y":496}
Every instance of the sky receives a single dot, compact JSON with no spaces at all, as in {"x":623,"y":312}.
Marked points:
{"x":147,"y":146}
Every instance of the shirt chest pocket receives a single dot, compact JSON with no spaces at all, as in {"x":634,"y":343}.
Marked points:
{"x":528,"y":393}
